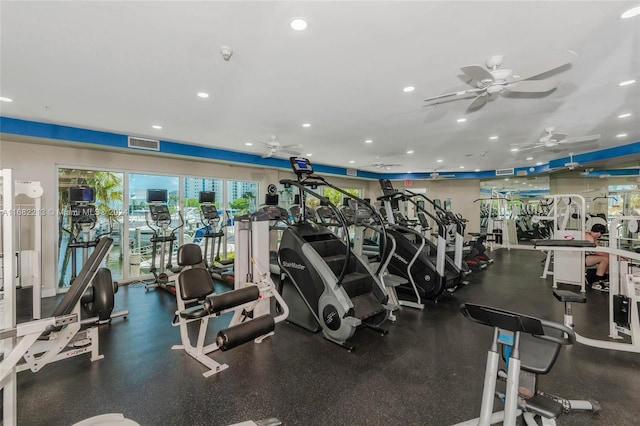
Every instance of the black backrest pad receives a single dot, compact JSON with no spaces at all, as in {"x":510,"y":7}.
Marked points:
{"x":84,"y":278}
{"x":189,"y":255}
{"x":505,"y":320}
{"x":195,"y":283}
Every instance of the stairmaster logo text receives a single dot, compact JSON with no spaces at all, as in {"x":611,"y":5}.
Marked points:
{"x":293,"y":265}
{"x":401,"y":259}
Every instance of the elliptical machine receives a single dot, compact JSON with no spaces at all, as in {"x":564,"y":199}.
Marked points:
{"x":162,"y":234}
{"x":220,"y":269}
{"x":98,"y":299}
{"x":325,"y":286}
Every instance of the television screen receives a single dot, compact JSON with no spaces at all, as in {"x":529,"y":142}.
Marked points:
{"x":271,"y":199}
{"x":157,"y":196}
{"x":81,"y":194}
{"x":207,"y":197}
{"x":447,"y":205}
{"x":437,"y":203}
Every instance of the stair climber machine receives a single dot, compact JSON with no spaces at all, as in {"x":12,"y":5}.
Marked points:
{"x":424,"y":264}
{"x":162,"y":234}
{"x":220,"y":269}
{"x":327,"y":287}
{"x":98,"y":299}
{"x":365,"y":217}
{"x":449,"y":219}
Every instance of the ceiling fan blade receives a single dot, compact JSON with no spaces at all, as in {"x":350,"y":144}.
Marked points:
{"x":291,"y":146}
{"x":288,"y":151}
{"x":557,"y":137}
{"x":533,"y":86}
{"x":479,"y":101}
{"x":446,"y":95}
{"x":477,"y":72}
{"x":576,"y":139}
{"x":547,"y":64}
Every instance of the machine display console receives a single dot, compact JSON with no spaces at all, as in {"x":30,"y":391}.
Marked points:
{"x":160,"y":212}
{"x":301,"y":166}
{"x":83,"y":214}
{"x":209,"y":212}
{"x":387,"y":187}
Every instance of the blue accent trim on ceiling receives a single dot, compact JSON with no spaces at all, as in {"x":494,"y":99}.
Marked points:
{"x":35,"y":129}
{"x":603,"y":154}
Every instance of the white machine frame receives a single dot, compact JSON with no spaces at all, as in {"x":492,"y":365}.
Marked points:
{"x":256,"y":255}
{"x":621,"y":281}
{"x":568,"y":266}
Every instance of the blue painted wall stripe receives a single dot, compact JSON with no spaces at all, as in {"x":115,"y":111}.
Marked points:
{"x":35,"y":129}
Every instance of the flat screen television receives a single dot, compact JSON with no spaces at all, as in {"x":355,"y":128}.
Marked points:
{"x":82,"y":194}
{"x":207,"y":197}
{"x":157,"y":196}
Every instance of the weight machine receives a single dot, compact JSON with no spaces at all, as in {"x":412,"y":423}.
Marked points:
{"x":162,"y":234}
{"x":250,"y":301}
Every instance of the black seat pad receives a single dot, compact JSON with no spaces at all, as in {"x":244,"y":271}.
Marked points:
{"x":569,"y":296}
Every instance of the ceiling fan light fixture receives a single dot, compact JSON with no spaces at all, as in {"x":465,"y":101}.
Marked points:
{"x":634,"y":11}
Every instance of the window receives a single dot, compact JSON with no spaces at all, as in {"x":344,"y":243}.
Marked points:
{"x":141,"y":229}
{"x":108,"y":191}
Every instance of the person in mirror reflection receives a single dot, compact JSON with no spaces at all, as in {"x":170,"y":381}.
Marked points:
{"x":597,"y":258}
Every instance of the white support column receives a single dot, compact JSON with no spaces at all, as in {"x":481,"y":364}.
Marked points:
{"x":7,"y":306}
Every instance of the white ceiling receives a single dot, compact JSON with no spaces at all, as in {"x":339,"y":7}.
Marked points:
{"x":125,"y":66}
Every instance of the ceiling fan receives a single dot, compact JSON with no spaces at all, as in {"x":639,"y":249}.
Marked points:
{"x":491,"y":79}
{"x":274,"y":148}
{"x":378,"y":164}
{"x":435,"y":175}
{"x":551,"y":139}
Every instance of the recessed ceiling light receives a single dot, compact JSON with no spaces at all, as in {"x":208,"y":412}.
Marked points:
{"x":461,"y":120}
{"x":306,"y":125}
{"x":248,"y":144}
{"x":625,"y":115}
{"x":438,"y":161}
{"x":493,"y":138}
{"x":309,"y":155}
{"x":514,"y":149}
{"x":368,"y":141}
{"x":408,"y":89}
{"x":410,"y":151}
{"x":351,"y":161}
{"x":634,"y":11}
{"x":506,"y":178}
{"x":409,"y":171}
{"x":298,"y":24}
{"x":529,"y":158}
{"x":621,"y":135}
{"x":461,"y":167}
{"x":627,"y":82}
{"x":155,"y":126}
{"x":539,"y":163}
{"x":203,"y":95}
{"x":3,"y":99}
{"x":476,"y":170}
